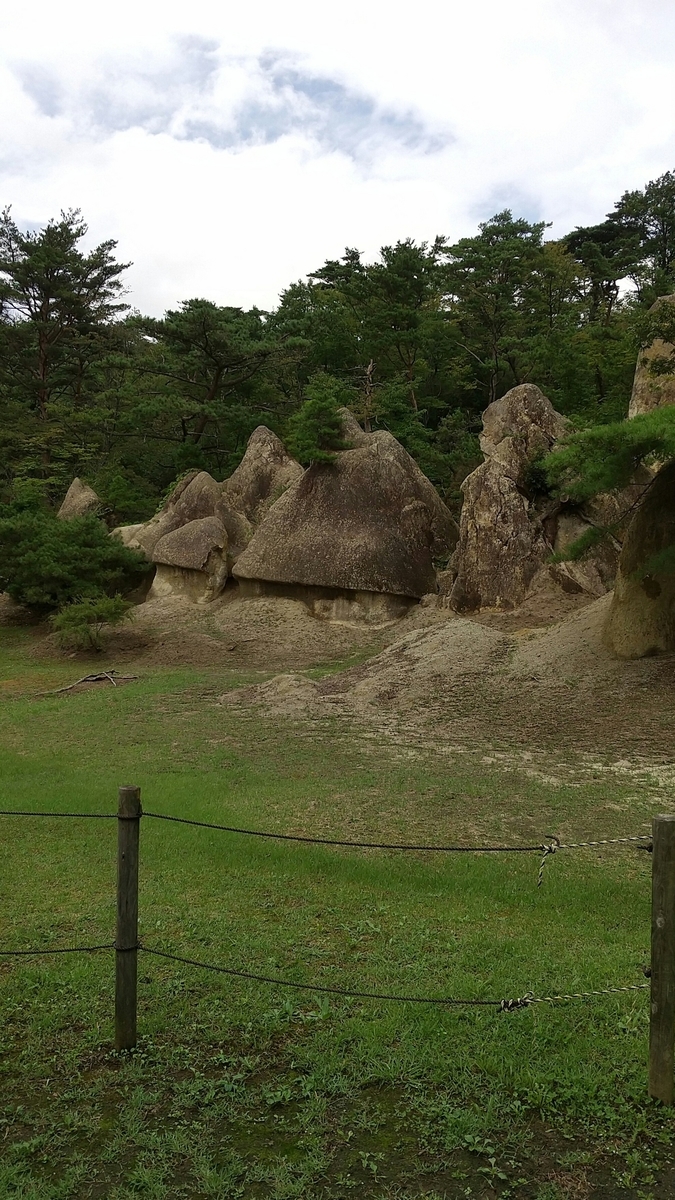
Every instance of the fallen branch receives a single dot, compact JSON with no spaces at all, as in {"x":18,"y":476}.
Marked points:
{"x":97,"y":678}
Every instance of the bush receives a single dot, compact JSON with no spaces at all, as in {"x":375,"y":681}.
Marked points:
{"x":46,"y":563}
{"x":315,"y":430}
{"x":79,"y":625}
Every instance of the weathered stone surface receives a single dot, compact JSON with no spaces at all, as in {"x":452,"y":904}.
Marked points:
{"x":652,"y":391}
{"x":191,"y":545}
{"x":641,"y":619}
{"x":128,"y":535}
{"x":521,"y":426}
{"x":80,"y":500}
{"x":500,"y":548}
{"x":192,"y":560}
{"x":371,"y":522}
{"x":193,"y":498}
{"x":352,"y":433}
{"x":502,"y":541}
{"x":509,"y":527}
{"x":264,"y":473}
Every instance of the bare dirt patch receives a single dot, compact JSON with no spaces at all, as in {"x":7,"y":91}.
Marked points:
{"x":460,"y":680}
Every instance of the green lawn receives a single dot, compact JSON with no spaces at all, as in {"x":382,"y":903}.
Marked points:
{"x":242,"y":1089}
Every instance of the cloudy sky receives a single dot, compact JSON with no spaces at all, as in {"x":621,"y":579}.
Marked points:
{"x":231,"y":148}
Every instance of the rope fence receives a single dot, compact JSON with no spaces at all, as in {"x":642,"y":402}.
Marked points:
{"x":127,"y":946}
{"x":351,"y":993}
{"x":546,"y":849}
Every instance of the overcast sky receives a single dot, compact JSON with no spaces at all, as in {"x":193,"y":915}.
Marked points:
{"x":232,"y":147}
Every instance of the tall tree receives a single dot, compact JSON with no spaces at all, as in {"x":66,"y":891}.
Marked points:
{"x":490,"y":281}
{"x":55,"y":301}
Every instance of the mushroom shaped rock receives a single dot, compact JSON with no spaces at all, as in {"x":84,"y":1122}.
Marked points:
{"x":191,"y":560}
{"x":641,"y":619}
{"x":263,"y":474}
{"x":651,"y":390}
{"x":80,"y":500}
{"x":370,"y":522}
{"x":193,"y":498}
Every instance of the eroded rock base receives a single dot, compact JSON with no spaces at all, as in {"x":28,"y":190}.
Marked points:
{"x":335,"y":604}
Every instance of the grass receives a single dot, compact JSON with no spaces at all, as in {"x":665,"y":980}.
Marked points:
{"x":240,"y":1089}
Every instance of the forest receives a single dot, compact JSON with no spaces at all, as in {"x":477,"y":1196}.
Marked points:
{"x":418,"y":342}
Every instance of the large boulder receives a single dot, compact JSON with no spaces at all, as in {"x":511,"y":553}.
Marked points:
{"x":641,"y":619}
{"x":500,"y":548}
{"x":510,"y":527}
{"x":80,"y":500}
{"x":502,"y":538}
{"x":194,"y":497}
{"x":651,"y":390}
{"x":192,"y":560}
{"x":240,"y":503}
{"x":520,"y":427}
{"x":371,"y":522}
{"x":264,"y":473}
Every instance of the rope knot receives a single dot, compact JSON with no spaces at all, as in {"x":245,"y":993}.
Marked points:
{"x":547,"y":848}
{"x":513,"y":1005}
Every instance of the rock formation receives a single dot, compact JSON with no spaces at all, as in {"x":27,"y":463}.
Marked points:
{"x":264,"y":473}
{"x":502,"y":540}
{"x":80,"y":500}
{"x":202,"y":528}
{"x":192,"y":560}
{"x":641,"y":619}
{"x":510,"y":527}
{"x":369,"y":525}
{"x":650,"y":390}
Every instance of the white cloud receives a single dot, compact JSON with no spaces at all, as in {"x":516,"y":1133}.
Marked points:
{"x":231,"y":149}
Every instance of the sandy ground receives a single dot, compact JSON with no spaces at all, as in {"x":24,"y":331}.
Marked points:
{"x":539,"y":675}
{"x":466,"y":681}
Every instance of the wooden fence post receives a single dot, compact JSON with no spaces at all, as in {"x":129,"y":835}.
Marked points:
{"x":126,"y":941}
{"x":662,"y":1018}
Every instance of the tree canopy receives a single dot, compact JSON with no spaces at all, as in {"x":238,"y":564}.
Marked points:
{"x":418,"y":342}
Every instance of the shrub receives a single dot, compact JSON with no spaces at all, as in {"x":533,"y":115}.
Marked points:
{"x":46,"y":563}
{"x":79,"y":625}
{"x":315,"y":430}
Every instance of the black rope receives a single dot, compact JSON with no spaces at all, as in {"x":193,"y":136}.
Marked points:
{"x":10,"y":812}
{"x":313,"y":987}
{"x":500,"y":1005}
{"x":57,"y":950}
{"x":297,"y":837}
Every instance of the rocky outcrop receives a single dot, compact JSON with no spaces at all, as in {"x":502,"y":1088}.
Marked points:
{"x":214,"y":522}
{"x":264,"y":473}
{"x":192,"y":560}
{"x":371,"y":522}
{"x":641,"y":619}
{"x":80,"y":500}
{"x":502,"y":538}
{"x":651,"y":390}
{"x":510,"y":527}
{"x":193,"y":497}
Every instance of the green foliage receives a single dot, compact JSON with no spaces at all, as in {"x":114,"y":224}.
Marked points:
{"x":315,"y":431}
{"x":422,"y":339}
{"x":606,"y":456}
{"x":46,"y":563}
{"x":80,"y":625}
{"x":581,"y":546}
